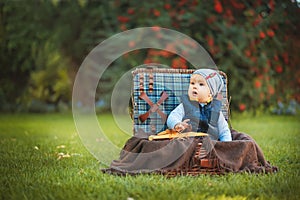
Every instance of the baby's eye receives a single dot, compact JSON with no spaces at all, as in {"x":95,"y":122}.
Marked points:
{"x":201,"y":84}
{"x":192,"y":83}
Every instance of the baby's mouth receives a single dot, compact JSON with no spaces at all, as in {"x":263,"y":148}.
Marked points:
{"x":195,"y":93}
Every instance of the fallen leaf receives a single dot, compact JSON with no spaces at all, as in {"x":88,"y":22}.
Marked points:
{"x":61,"y":146}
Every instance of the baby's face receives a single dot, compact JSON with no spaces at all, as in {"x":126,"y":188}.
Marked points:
{"x":198,"y":89}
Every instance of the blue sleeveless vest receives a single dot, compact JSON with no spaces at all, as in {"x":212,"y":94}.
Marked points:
{"x":201,"y":116}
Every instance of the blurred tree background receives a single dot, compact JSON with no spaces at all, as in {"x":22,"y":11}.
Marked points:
{"x":44,"y":42}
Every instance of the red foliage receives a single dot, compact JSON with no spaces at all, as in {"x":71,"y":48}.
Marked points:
{"x":278,"y":69}
{"x":148,"y":60}
{"x":257,"y":20}
{"x":262,"y":35}
{"x":271,"y":90}
{"x":167,"y":6}
{"x":156,"y":12}
{"x":270,"y":33}
{"x":218,"y":6}
{"x":182,"y":2}
{"x":271,"y":4}
{"x":179,"y":63}
{"x":130,"y":11}
{"x":237,"y":5}
{"x":123,"y":19}
{"x":234,"y":33}
{"x":257,"y":84}
{"x":242,"y":107}
{"x":211,"y":19}
{"x":165,"y":54}
{"x":123,"y":27}
{"x":285,"y":57}
{"x":248,"y":53}
{"x":210,"y":40}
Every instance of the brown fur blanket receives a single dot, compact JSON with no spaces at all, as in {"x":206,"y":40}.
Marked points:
{"x":140,"y":155}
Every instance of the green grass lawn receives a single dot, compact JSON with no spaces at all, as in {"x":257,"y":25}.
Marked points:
{"x":42,"y":157}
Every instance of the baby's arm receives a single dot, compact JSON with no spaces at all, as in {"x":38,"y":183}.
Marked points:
{"x":224,"y":132}
{"x":175,"y":116}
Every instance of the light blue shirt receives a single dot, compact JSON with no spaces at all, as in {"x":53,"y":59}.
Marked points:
{"x":177,"y":115}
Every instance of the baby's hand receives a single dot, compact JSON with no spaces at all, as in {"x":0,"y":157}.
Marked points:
{"x":182,"y":126}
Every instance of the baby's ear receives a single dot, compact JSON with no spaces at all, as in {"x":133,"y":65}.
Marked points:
{"x":210,"y":98}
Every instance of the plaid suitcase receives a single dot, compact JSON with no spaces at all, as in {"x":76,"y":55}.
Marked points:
{"x":157,"y":91}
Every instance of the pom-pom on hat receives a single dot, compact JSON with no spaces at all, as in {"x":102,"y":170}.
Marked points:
{"x":213,"y":79}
